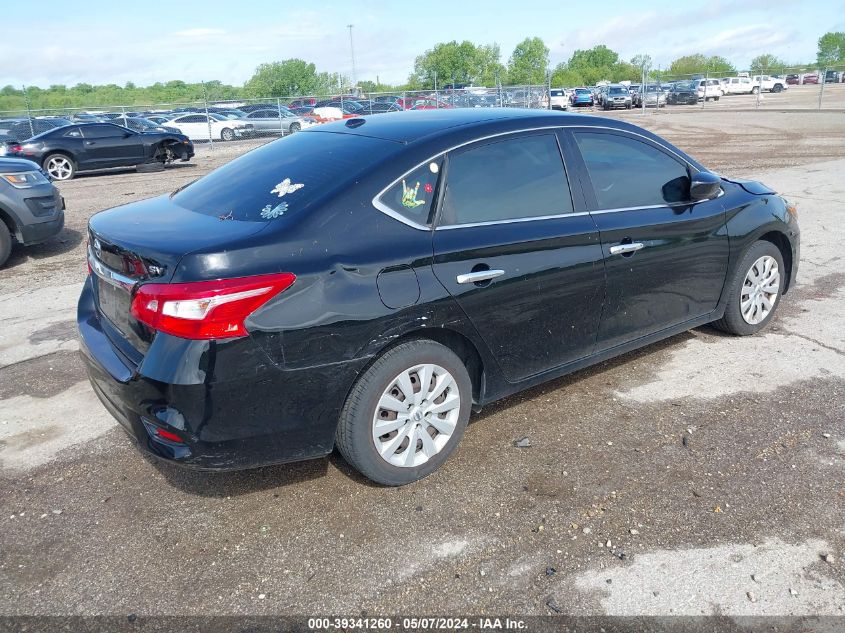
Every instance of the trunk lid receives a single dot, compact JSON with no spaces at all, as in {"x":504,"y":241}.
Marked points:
{"x":145,"y":241}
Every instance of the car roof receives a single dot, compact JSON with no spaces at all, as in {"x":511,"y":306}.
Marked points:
{"x":413,"y":125}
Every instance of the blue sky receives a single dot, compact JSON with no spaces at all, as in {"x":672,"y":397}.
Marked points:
{"x":183,"y":39}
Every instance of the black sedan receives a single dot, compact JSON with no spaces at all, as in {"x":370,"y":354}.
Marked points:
{"x":64,"y":151}
{"x":284,"y":305}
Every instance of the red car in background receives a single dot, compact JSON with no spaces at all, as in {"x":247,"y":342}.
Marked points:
{"x":303,"y":102}
{"x":810,"y":78}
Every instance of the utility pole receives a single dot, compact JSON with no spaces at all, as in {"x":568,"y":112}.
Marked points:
{"x":352,"y":55}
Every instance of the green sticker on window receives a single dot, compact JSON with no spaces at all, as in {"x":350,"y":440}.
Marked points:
{"x":409,"y":196}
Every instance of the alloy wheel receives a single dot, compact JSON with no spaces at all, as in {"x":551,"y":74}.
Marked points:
{"x":416,"y":415}
{"x":760,"y":290}
{"x":59,"y":167}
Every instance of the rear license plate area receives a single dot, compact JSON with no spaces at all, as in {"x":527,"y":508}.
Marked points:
{"x":114,"y":303}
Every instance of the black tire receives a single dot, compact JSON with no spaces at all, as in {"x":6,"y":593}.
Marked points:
{"x":148,"y":168}
{"x":294,"y":128}
{"x":755,"y":90}
{"x":354,"y":436}
{"x":777,"y":88}
{"x":5,"y":243}
{"x":47,"y":165}
{"x":226,"y":134}
{"x":716,"y":98}
{"x":732,"y":321}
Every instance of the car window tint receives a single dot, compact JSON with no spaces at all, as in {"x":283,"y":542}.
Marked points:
{"x":629,"y":173}
{"x":101,"y":131}
{"x":506,"y":180}
{"x":413,"y":196}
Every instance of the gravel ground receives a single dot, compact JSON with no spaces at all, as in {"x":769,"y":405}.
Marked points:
{"x":703,"y":474}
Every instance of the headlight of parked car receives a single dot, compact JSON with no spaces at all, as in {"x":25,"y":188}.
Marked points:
{"x":23,"y":180}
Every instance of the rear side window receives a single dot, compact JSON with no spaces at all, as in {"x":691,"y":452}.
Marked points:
{"x":512,"y":179}
{"x":629,"y":173}
{"x":101,"y":131}
{"x":284,"y":176}
{"x":412,"y":197}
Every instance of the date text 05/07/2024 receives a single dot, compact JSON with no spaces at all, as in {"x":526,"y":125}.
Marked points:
{"x":410,"y":623}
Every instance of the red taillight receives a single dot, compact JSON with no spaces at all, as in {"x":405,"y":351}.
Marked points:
{"x":167,"y":435}
{"x":14,"y":149}
{"x":206,"y":309}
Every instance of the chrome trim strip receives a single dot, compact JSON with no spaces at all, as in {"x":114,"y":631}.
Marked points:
{"x":449,"y":227}
{"x":397,"y":216}
{"x":107,"y":274}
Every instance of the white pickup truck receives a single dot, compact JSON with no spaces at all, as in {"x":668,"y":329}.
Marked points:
{"x":767,"y":84}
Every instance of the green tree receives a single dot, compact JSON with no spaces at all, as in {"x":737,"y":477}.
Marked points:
{"x":766,"y":62}
{"x":450,"y":62}
{"x":701,"y":64}
{"x":643,"y":62}
{"x":595,"y":64}
{"x":563,"y":77}
{"x":528,"y":62}
{"x":490,"y":69}
{"x":831,"y":49}
{"x":291,"y":77}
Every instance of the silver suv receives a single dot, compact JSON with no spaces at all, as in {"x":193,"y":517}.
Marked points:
{"x":31,"y":208}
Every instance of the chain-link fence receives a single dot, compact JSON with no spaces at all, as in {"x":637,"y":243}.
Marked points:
{"x":215,"y":118}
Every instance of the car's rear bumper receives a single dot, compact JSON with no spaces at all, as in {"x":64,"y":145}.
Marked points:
{"x":232,"y":407}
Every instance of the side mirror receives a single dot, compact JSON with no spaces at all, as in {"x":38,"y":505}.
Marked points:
{"x":704,"y":185}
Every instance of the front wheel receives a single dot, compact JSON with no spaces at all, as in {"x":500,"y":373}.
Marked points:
{"x":294,"y":128}
{"x":406,"y":414}
{"x":227,"y":135}
{"x":754,"y":291}
{"x":60,"y":167}
{"x":755,"y":90}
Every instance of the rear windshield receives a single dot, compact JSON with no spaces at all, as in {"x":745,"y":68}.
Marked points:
{"x":282,"y":177}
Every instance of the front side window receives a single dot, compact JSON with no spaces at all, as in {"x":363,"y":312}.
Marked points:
{"x":510,"y":179}
{"x":629,"y":173}
{"x":412,"y":196}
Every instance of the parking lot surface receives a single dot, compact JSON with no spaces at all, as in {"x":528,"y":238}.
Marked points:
{"x":704,"y":474}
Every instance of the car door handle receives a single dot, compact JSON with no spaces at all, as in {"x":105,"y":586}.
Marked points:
{"x":623,"y":249}
{"x":481,"y":275}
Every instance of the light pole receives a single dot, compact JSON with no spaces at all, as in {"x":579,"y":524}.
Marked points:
{"x":352,"y":55}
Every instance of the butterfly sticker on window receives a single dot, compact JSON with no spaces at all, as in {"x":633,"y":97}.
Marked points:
{"x":285,"y":187}
{"x":270,"y":212}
